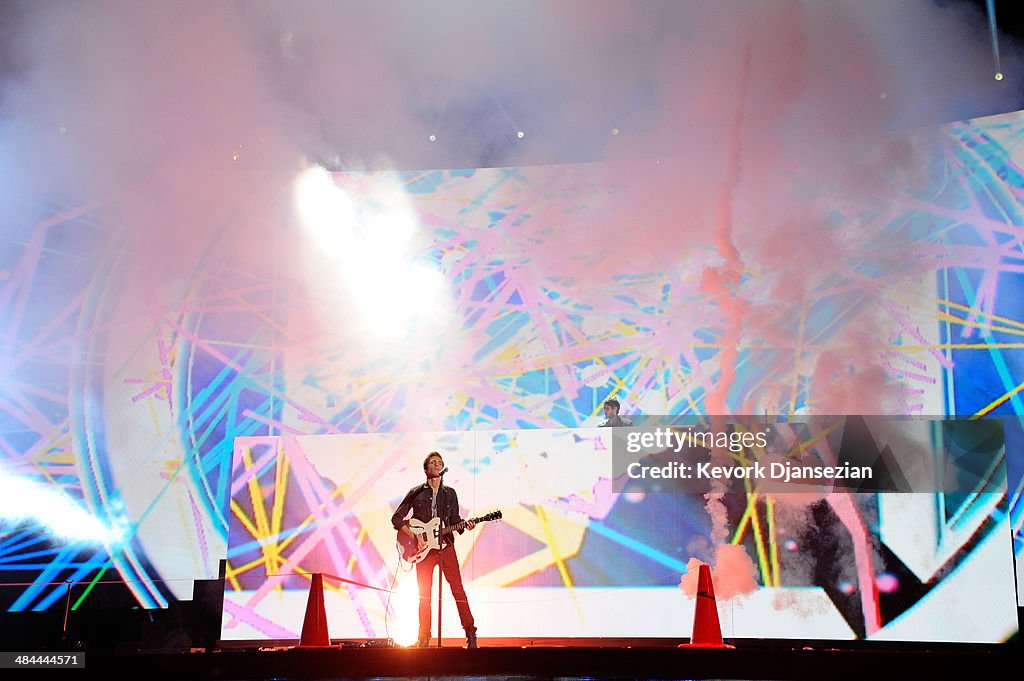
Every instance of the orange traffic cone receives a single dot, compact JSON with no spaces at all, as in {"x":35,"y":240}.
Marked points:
{"x":314,"y":626}
{"x":707,"y":633}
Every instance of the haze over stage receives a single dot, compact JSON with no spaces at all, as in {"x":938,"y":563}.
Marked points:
{"x":266,"y":228}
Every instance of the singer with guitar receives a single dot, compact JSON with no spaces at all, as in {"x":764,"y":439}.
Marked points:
{"x":427,"y":501}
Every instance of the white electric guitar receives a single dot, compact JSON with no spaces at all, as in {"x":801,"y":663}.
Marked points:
{"x":432,"y":535}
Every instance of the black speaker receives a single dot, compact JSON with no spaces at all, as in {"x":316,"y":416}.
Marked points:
{"x":207,"y":610}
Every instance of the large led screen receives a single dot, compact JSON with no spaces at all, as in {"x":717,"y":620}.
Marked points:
{"x":472,"y":302}
{"x":581,"y":552}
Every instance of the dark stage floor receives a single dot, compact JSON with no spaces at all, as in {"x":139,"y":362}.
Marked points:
{"x":522,"y":660}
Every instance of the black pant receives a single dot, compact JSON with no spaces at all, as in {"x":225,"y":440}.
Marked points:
{"x":450,"y":568}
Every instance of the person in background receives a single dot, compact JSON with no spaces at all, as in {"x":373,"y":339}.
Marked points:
{"x":611,"y":415}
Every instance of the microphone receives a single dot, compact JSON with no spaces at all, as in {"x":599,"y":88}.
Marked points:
{"x":443,"y":471}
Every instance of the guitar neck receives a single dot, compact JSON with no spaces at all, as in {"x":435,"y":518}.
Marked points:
{"x":457,"y":526}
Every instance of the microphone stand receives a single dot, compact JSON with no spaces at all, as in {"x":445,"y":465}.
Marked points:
{"x":442,"y":512}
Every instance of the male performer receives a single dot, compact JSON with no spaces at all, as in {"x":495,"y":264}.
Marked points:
{"x":611,"y":415}
{"x":435,"y":500}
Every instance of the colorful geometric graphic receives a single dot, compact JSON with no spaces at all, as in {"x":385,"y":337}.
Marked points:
{"x":597,"y":562}
{"x":497,"y":300}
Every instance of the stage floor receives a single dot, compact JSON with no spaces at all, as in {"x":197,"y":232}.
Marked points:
{"x":566,"y":659}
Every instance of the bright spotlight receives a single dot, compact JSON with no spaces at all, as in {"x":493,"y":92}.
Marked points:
{"x":24,"y":500}
{"x":520,"y":134}
{"x":432,"y":138}
{"x":999,"y":75}
{"x":325,"y":209}
{"x":405,"y":600}
{"x":364,"y":239}
{"x":393,"y":292}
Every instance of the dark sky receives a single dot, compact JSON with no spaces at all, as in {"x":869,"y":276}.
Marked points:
{"x":1009,"y":14}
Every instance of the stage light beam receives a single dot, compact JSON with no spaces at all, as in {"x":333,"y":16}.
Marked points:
{"x":325,"y":210}
{"x":366,"y":243}
{"x":23,"y":500}
{"x":405,"y":606}
{"x":994,"y":34}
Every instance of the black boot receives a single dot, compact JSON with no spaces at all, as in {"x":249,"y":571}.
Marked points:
{"x":471,"y":637}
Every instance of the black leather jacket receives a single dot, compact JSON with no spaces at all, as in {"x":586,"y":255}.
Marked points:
{"x":418,"y":499}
